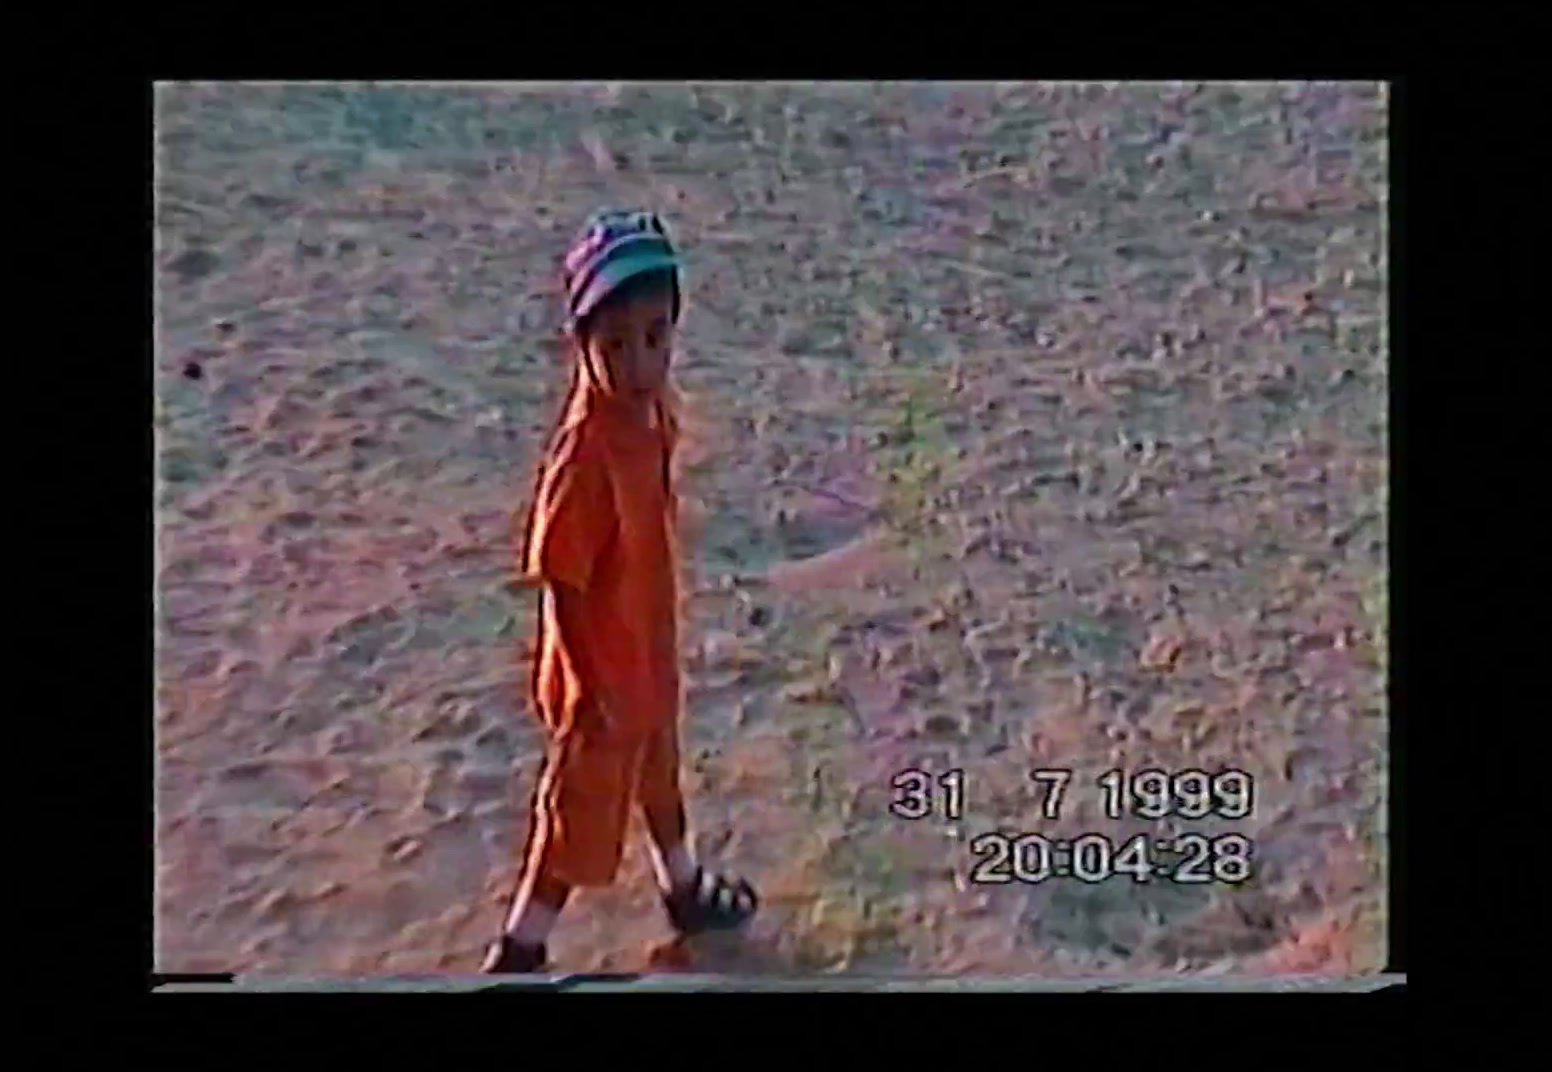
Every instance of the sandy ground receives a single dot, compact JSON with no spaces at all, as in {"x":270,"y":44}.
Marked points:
{"x":1033,"y":426}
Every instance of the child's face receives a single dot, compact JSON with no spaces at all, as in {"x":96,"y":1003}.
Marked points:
{"x":629,"y":343}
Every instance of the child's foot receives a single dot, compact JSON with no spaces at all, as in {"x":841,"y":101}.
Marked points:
{"x":711,"y":903}
{"x":508,"y":957}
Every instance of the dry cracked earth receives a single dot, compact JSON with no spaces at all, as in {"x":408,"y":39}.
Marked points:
{"x":1032,"y":426}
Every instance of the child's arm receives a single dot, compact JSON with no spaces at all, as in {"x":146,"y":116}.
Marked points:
{"x":571,"y":520}
{"x":571,"y":622}
{"x":691,"y":521}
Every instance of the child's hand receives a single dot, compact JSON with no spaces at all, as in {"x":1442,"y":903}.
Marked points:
{"x":524,"y":582}
{"x":691,"y":521}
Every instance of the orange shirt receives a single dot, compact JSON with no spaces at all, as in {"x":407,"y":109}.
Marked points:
{"x":603,"y":524}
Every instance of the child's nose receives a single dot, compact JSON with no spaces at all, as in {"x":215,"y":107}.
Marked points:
{"x":642,"y":353}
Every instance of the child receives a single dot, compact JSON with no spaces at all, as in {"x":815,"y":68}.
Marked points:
{"x":600,"y":542}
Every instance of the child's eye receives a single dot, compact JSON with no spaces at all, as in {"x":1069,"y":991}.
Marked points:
{"x":654,"y":339}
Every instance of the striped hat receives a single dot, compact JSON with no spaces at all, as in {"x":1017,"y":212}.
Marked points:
{"x":612,"y":247}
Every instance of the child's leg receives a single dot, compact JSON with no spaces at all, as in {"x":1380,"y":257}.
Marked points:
{"x":523,"y":945}
{"x":662,"y":806}
{"x":575,"y":838}
{"x":695,"y":899}
{"x":540,"y":893}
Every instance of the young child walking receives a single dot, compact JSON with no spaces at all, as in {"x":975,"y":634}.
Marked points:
{"x":600,"y":545}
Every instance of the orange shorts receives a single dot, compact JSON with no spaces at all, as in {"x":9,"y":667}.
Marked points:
{"x":582,"y":803}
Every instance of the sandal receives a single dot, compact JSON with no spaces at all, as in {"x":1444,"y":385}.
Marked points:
{"x":506,"y":957}
{"x":711,"y":903}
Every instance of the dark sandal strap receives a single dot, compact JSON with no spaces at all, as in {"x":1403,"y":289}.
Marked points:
{"x":718,"y":894}
{"x":506,"y":956}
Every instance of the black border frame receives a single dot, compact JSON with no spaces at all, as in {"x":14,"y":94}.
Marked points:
{"x":1421,"y":157}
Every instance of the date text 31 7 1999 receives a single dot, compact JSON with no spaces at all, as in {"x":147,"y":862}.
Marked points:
{"x":1146,"y":794}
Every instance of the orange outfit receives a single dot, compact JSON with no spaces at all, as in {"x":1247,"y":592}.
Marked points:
{"x":603,"y":525}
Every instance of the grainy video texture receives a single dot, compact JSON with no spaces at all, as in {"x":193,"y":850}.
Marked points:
{"x":1031,"y":428}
